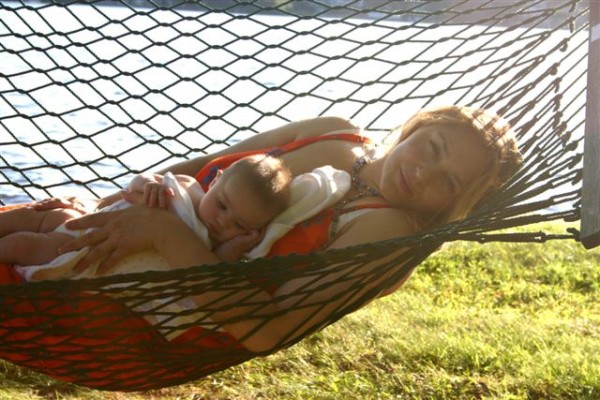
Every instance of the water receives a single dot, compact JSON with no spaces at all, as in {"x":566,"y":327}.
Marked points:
{"x":237,"y":74}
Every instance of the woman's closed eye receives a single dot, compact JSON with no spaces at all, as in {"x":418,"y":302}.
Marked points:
{"x":435,"y":149}
{"x":240,"y":226}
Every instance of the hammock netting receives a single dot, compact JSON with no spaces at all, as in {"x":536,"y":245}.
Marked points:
{"x":93,"y":92}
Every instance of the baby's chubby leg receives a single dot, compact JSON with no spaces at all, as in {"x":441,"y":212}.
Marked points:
{"x":30,"y":220}
{"x":27,"y":236}
{"x":31,"y":248}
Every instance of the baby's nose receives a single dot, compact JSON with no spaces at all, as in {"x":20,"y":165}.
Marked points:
{"x":223,"y":222}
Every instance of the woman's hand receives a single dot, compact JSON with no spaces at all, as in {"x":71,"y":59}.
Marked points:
{"x":73,"y":203}
{"x":117,"y":234}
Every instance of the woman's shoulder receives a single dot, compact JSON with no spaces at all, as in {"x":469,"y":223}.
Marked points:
{"x":375,"y":224}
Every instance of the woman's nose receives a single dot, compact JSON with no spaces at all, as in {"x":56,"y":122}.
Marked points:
{"x":423,"y":174}
{"x":426,"y":174}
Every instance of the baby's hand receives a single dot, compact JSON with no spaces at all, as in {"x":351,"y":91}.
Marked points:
{"x":157,"y":195}
{"x":233,"y":249}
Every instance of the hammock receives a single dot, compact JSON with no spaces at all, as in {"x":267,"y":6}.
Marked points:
{"x":92,"y":93}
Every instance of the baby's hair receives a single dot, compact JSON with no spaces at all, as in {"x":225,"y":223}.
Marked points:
{"x":504,"y":158}
{"x":268,"y":177}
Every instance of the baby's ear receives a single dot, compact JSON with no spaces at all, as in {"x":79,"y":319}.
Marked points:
{"x":261,"y":232}
{"x":216,"y":178}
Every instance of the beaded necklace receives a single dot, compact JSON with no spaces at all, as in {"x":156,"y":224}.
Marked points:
{"x":357,"y":182}
{"x":362,"y":188}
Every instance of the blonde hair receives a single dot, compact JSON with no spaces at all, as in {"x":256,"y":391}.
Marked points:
{"x":269,"y":178}
{"x":504,"y":158}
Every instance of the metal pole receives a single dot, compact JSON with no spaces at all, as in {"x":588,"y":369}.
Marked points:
{"x":590,"y":201}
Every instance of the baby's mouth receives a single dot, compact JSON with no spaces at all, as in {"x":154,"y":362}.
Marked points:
{"x":212,"y":230}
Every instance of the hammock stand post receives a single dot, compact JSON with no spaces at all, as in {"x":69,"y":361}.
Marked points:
{"x":590,"y":201}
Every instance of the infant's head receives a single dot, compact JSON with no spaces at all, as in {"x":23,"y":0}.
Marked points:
{"x":245,"y":197}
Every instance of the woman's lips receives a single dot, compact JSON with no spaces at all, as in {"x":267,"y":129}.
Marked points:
{"x":403,"y":182}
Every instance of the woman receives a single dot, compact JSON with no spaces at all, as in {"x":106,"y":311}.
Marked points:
{"x":443,"y":163}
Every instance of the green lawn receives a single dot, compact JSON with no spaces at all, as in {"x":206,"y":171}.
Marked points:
{"x":493,"y":321}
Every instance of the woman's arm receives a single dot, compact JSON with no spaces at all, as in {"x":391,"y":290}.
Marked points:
{"x":274,"y":137}
{"x":136,"y":229}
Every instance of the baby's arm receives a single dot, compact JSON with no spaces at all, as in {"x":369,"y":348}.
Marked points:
{"x":28,"y":237}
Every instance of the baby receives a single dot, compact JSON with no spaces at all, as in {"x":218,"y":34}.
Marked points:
{"x":241,"y":201}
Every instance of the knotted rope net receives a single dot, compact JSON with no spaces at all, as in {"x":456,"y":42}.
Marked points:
{"x":93,"y":92}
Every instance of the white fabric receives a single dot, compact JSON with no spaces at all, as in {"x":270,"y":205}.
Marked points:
{"x":311,"y":193}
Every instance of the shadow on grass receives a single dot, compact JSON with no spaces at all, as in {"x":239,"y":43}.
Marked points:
{"x":28,"y":382}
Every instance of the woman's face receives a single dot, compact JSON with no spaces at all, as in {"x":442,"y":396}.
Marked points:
{"x":426,"y":171}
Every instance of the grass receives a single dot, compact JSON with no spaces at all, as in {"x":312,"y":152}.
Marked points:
{"x":493,"y":321}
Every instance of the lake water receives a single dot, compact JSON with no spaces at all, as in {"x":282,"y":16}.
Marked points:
{"x":238,"y":74}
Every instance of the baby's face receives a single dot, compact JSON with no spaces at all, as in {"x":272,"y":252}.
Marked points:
{"x":231,"y":208}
